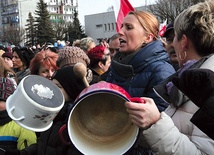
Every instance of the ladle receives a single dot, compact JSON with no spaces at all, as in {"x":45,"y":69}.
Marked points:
{"x":80,"y":71}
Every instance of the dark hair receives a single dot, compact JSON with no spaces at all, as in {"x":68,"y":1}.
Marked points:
{"x":6,"y":49}
{"x":25,"y":54}
{"x":1,"y":47}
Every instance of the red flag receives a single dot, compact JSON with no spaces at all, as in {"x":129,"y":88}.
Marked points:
{"x":120,"y":12}
{"x":162,"y":28}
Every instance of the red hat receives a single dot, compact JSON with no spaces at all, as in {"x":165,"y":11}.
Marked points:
{"x":8,"y":55}
{"x":6,"y":88}
{"x":98,"y":52}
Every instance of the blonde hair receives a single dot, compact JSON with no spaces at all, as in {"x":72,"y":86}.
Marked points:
{"x":148,"y":21}
{"x":197,"y":23}
{"x":85,"y":42}
{"x":76,"y":43}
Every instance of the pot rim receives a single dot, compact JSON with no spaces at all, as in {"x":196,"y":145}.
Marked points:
{"x":83,"y":95}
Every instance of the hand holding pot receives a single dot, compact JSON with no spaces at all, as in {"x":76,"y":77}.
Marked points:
{"x":143,"y":115}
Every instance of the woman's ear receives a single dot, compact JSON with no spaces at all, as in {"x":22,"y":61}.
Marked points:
{"x":100,"y":64}
{"x":150,"y":38}
{"x":184,"y":41}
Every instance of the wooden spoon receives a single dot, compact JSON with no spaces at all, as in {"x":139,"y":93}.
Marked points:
{"x":80,"y":71}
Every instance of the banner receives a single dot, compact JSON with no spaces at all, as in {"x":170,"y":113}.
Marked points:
{"x":121,"y":9}
{"x":162,"y":28}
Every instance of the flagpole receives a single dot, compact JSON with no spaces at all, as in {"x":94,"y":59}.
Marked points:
{"x":121,"y":8}
{"x":146,"y":5}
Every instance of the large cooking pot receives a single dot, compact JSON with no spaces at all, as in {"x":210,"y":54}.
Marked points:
{"x":35,"y":103}
{"x":98,"y":123}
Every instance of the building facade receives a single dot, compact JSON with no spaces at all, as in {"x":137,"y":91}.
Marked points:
{"x":14,"y":13}
{"x":61,"y":9}
{"x":102,"y":25}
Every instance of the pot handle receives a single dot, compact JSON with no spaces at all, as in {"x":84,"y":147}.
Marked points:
{"x":61,"y":130}
{"x":14,"y":118}
{"x":136,"y":99}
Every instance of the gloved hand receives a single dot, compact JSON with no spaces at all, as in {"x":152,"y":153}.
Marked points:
{"x":198,"y":85}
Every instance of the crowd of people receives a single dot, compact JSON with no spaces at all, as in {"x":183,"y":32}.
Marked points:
{"x":171,"y":75}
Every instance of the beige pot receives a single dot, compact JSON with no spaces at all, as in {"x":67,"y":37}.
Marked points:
{"x":99,"y":124}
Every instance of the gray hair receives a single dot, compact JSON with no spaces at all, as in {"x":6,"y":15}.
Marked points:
{"x":197,"y":23}
{"x":85,"y":42}
{"x":115,"y":36}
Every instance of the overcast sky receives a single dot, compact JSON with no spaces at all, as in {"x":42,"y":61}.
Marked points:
{"x":88,"y":7}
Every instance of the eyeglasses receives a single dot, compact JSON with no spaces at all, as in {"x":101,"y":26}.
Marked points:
{"x":112,"y":50}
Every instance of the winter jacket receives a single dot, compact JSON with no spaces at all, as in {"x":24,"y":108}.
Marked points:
{"x":139,"y":72}
{"x":12,"y":135}
{"x":174,"y":133}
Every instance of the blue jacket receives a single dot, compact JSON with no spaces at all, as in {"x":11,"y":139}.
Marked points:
{"x":138,"y":73}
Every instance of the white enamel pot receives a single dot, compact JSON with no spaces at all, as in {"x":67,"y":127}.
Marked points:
{"x":35,"y":103}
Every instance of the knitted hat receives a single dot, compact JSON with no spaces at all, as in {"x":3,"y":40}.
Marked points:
{"x":6,"y":88}
{"x":72,"y":84}
{"x":8,"y":55}
{"x":70,"y":55}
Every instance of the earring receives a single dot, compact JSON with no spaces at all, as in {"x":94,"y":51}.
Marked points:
{"x":180,"y":56}
{"x":143,"y":44}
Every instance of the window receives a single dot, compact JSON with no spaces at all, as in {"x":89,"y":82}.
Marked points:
{"x":99,"y":26}
{"x":112,"y":25}
{"x":105,"y":27}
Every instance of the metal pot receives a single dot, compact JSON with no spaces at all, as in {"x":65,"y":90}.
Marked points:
{"x":98,"y":124}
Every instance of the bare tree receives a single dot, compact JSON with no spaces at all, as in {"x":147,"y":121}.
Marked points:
{"x":60,"y":29}
{"x":12,"y":35}
{"x":170,"y":9}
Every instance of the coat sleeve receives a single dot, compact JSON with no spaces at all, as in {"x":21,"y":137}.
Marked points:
{"x":159,"y":72}
{"x":26,"y":138}
{"x":165,"y":138}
